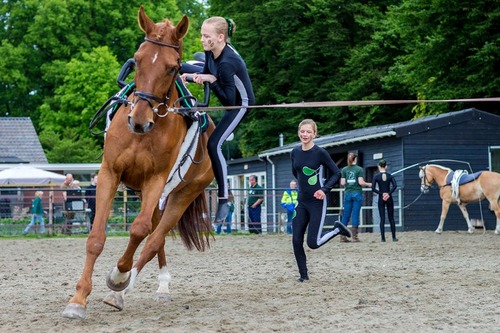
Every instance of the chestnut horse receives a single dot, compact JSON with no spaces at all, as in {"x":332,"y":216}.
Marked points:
{"x":480,"y":186}
{"x":142,"y":145}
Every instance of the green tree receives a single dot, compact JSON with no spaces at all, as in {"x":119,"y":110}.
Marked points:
{"x":83,"y":85}
{"x":450,"y":51}
{"x":295,"y":51}
{"x":54,"y":68}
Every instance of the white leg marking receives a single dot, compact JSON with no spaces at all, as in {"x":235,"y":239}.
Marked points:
{"x":164,"y":279}
{"x":133,"y":276}
{"x":117,"y":277}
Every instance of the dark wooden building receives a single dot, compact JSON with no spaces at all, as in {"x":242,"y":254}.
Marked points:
{"x":467,"y":139}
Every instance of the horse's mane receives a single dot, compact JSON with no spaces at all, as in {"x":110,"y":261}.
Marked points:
{"x":441,"y":167}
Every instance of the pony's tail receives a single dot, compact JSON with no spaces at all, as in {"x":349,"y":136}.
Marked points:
{"x":194,"y":226}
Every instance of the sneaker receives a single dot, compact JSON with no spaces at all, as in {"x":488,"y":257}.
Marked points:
{"x":343,"y":230}
{"x":303,"y":278}
{"x":222,"y":211}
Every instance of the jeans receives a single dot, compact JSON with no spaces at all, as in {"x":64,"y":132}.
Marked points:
{"x":352,"y":207}
{"x":229,"y":219}
{"x":254,"y":224}
{"x":35,"y":217}
{"x":289,"y":219}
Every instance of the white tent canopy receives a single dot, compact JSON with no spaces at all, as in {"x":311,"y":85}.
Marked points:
{"x":27,"y":175}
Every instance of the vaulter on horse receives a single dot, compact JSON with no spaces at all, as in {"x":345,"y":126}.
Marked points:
{"x":227,"y":74}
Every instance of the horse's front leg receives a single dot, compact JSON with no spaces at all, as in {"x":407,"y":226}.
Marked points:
{"x":444,"y":211}
{"x":119,"y":277}
{"x":465,"y":213}
{"x":176,"y":206}
{"x":105,"y":192}
{"x":116,"y":299}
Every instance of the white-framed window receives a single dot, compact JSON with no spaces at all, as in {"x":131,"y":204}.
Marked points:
{"x":494,"y":158}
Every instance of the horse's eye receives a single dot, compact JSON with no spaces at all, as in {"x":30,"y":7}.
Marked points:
{"x":172,"y":70}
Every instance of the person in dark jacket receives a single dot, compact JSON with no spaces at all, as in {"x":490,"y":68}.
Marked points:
{"x":384,"y":185}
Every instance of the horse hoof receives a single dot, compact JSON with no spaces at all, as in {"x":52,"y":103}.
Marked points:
{"x":117,"y":286}
{"x":163,"y":298}
{"x":115,"y":299}
{"x":497,"y":232}
{"x":470,"y":231}
{"x":438,"y":231}
{"x":74,"y":311}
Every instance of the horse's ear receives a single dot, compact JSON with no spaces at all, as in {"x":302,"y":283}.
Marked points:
{"x":182,"y":27}
{"x":145,"y":23}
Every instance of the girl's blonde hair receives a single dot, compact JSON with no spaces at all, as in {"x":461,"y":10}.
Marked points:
{"x":309,"y":122}
{"x":222,"y":25}
{"x":38,"y":193}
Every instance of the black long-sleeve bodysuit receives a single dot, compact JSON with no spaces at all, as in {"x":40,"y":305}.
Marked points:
{"x":233,"y":87}
{"x":386,"y":184}
{"x":308,"y":167}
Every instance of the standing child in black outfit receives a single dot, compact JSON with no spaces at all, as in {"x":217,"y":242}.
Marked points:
{"x":308,"y":164}
{"x":386,"y":186}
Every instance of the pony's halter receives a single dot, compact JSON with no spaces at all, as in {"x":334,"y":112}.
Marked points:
{"x":150,"y":97}
{"x":425,"y":186}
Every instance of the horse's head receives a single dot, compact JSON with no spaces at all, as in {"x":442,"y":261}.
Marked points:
{"x":158,"y":61}
{"x":426,"y":179}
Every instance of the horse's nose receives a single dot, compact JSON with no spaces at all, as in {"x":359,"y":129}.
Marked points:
{"x":139,"y":128}
{"x":424,"y":189}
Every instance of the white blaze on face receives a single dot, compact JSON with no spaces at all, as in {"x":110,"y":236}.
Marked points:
{"x":155,"y":57}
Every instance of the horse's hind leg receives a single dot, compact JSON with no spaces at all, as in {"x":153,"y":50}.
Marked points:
{"x":496,"y":208}
{"x":465,"y":213}
{"x":164,"y":278}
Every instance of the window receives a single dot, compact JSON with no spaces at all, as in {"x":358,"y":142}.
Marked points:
{"x":494,"y":157}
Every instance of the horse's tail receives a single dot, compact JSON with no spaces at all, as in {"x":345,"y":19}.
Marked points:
{"x":194,"y":226}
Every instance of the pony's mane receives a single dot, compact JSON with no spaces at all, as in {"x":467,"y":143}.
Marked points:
{"x":167,"y":23}
{"x":162,"y":27}
{"x":440,"y":167}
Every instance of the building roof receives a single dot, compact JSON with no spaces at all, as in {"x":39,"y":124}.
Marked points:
{"x":19,"y":141}
{"x":392,"y":130}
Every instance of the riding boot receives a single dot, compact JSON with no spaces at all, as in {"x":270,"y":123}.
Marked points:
{"x":355,"y":237}
{"x":382,"y":237}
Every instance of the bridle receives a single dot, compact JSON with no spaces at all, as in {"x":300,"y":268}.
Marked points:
{"x":424,"y":188}
{"x":148,"y":97}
